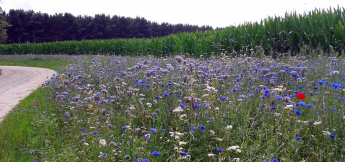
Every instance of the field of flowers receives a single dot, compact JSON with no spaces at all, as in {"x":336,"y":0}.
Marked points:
{"x":105,"y":108}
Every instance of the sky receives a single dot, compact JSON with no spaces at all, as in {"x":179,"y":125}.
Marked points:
{"x":215,"y":13}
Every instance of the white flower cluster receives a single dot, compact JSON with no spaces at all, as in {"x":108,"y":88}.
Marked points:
{"x":234,"y":148}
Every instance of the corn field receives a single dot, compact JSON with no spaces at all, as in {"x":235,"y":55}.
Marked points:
{"x":317,"y":28}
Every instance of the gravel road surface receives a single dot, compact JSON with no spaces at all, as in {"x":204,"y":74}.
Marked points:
{"x":17,"y":82}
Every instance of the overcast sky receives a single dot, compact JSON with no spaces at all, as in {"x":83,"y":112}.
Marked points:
{"x":216,"y":13}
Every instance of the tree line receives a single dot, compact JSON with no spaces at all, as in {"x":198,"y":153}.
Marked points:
{"x":36,"y":27}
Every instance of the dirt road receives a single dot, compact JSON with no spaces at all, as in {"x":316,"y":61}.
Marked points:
{"x":17,"y":82}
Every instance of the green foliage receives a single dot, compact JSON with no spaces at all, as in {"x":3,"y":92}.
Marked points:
{"x":278,"y":34}
{"x":3,"y":27}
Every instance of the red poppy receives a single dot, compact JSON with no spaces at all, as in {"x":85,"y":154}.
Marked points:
{"x":36,"y":104}
{"x":300,"y":96}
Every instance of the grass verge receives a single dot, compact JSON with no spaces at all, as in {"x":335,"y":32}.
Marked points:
{"x":17,"y":132}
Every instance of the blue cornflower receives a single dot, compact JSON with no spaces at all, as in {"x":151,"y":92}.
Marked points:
{"x":83,"y":128}
{"x":233,"y":90}
{"x":298,"y":112}
{"x":274,"y":160}
{"x":165,"y":94}
{"x":193,"y":128}
{"x":202,"y":128}
{"x":302,"y":103}
{"x":298,"y":138}
{"x":332,"y":136}
{"x":223,"y":98}
{"x":163,"y":130}
{"x":95,"y":132}
{"x":196,"y":106}
{"x":182,"y":105}
{"x":320,"y":82}
{"x":294,"y":74}
{"x":154,"y":113}
{"x":67,"y":116}
{"x":145,"y":160}
{"x":105,"y":155}
{"x":155,"y":153}
{"x":178,"y":95}
{"x":153,"y":130}
{"x":124,"y":128}
{"x":333,"y":109}
{"x":327,"y":82}
{"x":157,"y":97}
{"x":148,"y":86}
{"x":256,"y":89}
{"x":335,"y":85}
{"x":273,"y":108}
{"x":220,"y":150}
{"x":315,"y":87}
{"x":300,"y":87}
{"x":183,"y":153}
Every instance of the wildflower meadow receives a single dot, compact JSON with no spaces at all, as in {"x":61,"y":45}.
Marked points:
{"x":175,"y":108}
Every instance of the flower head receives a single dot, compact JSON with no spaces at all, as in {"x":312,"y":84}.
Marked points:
{"x":300,"y":96}
{"x":155,"y":153}
{"x":298,"y":112}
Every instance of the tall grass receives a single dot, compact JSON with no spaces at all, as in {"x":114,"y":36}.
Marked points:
{"x":324,"y":28}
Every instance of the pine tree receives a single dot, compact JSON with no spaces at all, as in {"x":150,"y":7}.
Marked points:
{"x":3,"y":27}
